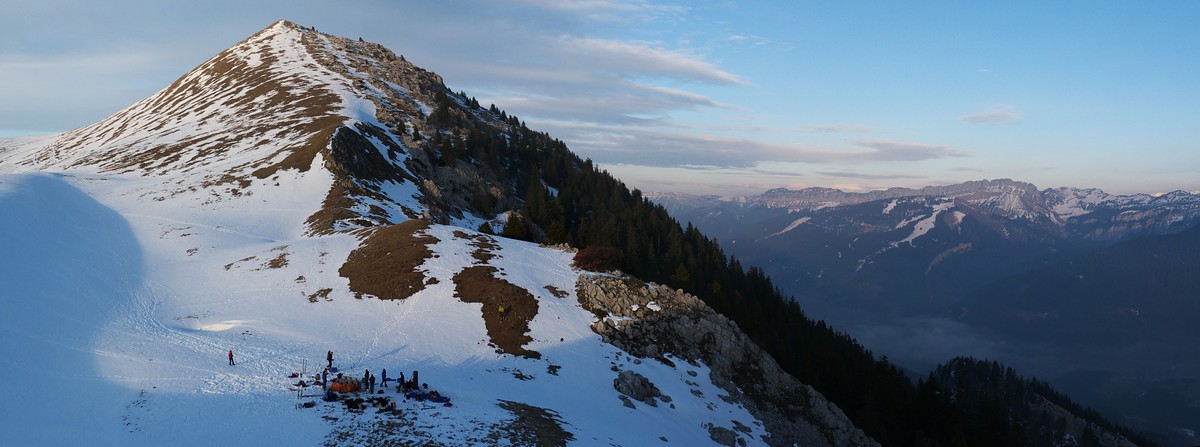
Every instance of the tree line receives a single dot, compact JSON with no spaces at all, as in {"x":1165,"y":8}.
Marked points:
{"x":567,"y":199}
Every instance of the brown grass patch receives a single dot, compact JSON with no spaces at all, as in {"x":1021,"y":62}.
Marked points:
{"x":239,"y":261}
{"x":558,"y":293}
{"x":507,"y":309}
{"x":385,"y":264}
{"x":484,"y":246}
{"x":323,"y":293}
{"x":535,"y":426}
{"x":277,"y":262}
{"x":280,"y":261}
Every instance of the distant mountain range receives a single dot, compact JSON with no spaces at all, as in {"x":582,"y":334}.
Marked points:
{"x":911,"y":251}
{"x":1065,"y":282}
{"x":301,"y":192}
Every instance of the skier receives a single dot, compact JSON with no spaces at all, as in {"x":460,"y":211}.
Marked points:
{"x":329,"y":358}
{"x":230,"y":357}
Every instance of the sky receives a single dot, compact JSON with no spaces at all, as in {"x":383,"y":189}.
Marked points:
{"x":711,"y":97}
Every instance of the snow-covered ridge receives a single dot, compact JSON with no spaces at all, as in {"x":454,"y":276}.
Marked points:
{"x":268,"y":104}
{"x":156,"y":294}
{"x":246,"y":108}
{"x":1002,"y":198}
{"x":140,"y":250}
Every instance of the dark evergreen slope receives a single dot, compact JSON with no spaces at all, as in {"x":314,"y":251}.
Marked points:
{"x":980,"y":403}
{"x":1138,"y":294}
{"x":485,"y":162}
{"x":592,"y":209}
{"x":1124,"y":319}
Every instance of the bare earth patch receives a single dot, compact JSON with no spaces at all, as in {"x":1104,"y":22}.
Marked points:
{"x":557,"y":292}
{"x":323,"y":293}
{"x":385,"y":264}
{"x":484,"y":246}
{"x":535,"y":426}
{"x":277,"y":262}
{"x":507,"y":309}
{"x":231,"y":265}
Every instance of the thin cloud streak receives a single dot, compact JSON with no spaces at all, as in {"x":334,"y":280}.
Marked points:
{"x":890,"y":150}
{"x":864,"y":176}
{"x":838,"y":128}
{"x":631,"y":145}
{"x":995,"y":115}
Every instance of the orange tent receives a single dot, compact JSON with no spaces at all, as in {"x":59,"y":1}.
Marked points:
{"x":345,"y":385}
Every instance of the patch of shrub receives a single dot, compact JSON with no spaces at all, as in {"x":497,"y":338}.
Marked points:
{"x":598,"y":258}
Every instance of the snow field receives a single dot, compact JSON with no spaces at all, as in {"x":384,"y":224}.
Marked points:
{"x":124,"y":292}
{"x":121,"y":310}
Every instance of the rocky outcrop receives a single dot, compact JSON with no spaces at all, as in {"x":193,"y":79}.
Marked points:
{"x":653,"y":320}
{"x":638,"y":387}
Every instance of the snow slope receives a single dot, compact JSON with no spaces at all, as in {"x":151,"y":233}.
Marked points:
{"x":119,"y":312}
{"x":134,"y":253}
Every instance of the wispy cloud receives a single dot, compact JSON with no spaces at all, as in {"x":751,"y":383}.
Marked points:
{"x":838,"y":128}
{"x":646,"y":59}
{"x":756,"y":41}
{"x":865,"y":176}
{"x":891,"y":150}
{"x":645,"y":146}
{"x":599,"y":7}
{"x":987,"y":72}
{"x":993,"y":115}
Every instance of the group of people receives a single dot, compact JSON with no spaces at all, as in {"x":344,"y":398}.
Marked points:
{"x":369,"y":381}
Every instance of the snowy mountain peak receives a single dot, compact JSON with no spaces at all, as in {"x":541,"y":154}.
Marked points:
{"x":249,"y":108}
{"x":289,"y":197}
{"x":961,"y":216}
{"x":287,"y":98}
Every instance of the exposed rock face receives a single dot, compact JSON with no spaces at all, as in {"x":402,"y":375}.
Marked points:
{"x":638,"y":387}
{"x":662,"y":320}
{"x":723,"y":436}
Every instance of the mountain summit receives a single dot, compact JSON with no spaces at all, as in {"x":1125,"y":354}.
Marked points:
{"x":301,"y":193}
{"x":179,"y":272}
{"x":286,"y":98}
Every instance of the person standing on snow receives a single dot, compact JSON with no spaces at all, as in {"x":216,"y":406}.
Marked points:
{"x":372,"y":383}
{"x":329,"y":358}
{"x":230,"y":357}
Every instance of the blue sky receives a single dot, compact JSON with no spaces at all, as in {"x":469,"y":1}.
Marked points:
{"x":711,"y":97}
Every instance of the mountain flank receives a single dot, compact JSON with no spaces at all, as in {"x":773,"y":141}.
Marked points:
{"x":302,"y":193}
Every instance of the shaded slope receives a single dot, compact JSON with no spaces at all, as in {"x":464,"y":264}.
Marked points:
{"x":1138,"y":291}
{"x":979,"y":403}
{"x":405,"y":146}
{"x":67,"y":265}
